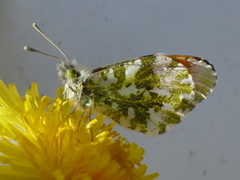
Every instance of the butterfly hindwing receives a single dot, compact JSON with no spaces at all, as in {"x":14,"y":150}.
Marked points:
{"x":150,"y":93}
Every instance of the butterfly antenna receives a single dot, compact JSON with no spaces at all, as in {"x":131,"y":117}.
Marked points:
{"x":34,"y":50}
{"x":26,"y":48}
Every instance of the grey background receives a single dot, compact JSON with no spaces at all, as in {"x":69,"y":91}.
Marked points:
{"x":206,"y":145}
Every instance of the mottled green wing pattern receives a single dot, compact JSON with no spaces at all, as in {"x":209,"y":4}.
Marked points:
{"x":150,"y":93}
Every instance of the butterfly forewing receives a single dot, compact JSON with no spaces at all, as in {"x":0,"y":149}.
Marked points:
{"x":150,"y":93}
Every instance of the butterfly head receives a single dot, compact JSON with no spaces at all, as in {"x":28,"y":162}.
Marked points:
{"x":71,"y":72}
{"x":74,"y":78}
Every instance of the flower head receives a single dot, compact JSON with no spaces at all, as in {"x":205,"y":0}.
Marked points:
{"x":44,"y":139}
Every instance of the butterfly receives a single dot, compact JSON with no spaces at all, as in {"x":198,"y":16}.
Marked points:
{"x":148,"y":94}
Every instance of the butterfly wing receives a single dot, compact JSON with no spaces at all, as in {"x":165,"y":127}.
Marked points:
{"x":150,"y":93}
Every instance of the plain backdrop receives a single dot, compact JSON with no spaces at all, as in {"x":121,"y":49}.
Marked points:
{"x":206,"y":145}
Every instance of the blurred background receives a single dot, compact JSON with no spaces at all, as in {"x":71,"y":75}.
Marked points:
{"x":206,"y":145}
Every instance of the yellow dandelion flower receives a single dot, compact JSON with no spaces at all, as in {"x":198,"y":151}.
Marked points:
{"x":40,"y":139}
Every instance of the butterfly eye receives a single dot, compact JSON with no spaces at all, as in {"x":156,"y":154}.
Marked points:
{"x":72,"y":74}
{"x":78,"y":74}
